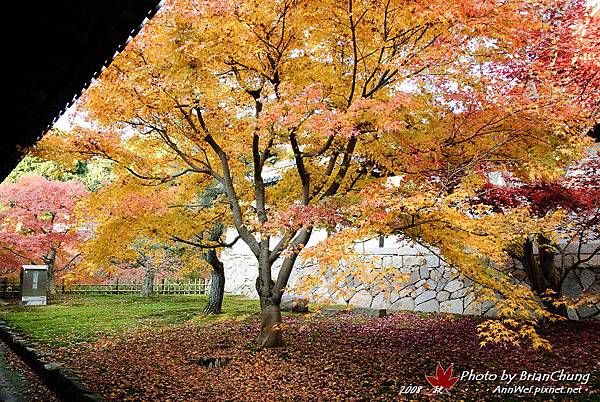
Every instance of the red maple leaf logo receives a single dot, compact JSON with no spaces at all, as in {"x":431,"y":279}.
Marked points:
{"x":443,"y":380}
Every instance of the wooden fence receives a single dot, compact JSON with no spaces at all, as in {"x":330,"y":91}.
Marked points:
{"x":192,"y":286}
{"x":189,"y":287}
{"x":9,"y":289}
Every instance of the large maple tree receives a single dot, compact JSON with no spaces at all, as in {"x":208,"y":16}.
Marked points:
{"x":294,"y":106}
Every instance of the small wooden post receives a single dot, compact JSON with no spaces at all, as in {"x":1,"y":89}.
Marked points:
{"x":117,"y":289}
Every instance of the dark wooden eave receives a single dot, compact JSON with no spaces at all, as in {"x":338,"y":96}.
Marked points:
{"x":51,"y":50}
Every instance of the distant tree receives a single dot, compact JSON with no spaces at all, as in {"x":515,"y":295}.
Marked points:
{"x":93,"y":174}
{"x":38,"y":224}
{"x":155,"y":230}
{"x":149,"y":257}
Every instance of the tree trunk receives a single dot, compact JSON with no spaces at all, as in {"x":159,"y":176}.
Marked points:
{"x":270,"y":292}
{"x":148,"y":281}
{"x":51,"y":280}
{"x":549,"y":270}
{"x":543,"y":275}
{"x":532,"y":268}
{"x":217,"y":278}
{"x":270,"y":327}
{"x":51,"y":264}
{"x":216,"y":290}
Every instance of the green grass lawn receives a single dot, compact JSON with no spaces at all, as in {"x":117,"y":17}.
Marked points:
{"x":71,"y":319}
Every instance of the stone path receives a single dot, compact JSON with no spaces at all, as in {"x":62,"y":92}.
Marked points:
{"x":10,"y":382}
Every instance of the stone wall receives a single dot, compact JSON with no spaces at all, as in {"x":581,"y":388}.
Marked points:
{"x":584,"y":278}
{"x":431,"y":286}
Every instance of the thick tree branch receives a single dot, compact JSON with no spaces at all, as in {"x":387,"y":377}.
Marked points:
{"x":68,"y":264}
{"x":321,"y":151}
{"x":281,"y":245}
{"x":354,"y":53}
{"x":304,"y":176}
{"x":18,"y":255}
{"x":288,"y":263}
{"x":232,"y":195}
{"x":206,"y":246}
{"x":584,"y":260}
{"x":259,"y":185}
{"x":343,"y":170}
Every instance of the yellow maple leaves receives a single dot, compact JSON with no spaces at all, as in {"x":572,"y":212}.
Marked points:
{"x":298,"y":103}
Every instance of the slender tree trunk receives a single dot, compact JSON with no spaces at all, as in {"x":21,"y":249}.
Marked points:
{"x":553,"y":276}
{"x":51,"y":264}
{"x":51,"y":280}
{"x":217,"y":288}
{"x":543,"y":275}
{"x":148,"y":280}
{"x":549,"y":269}
{"x":532,"y":268}
{"x":217,"y":278}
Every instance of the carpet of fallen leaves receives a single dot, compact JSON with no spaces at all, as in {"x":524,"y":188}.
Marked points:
{"x":343,"y":357}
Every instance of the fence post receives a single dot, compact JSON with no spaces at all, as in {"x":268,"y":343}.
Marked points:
{"x":117,"y":289}
{"x":63,"y":286}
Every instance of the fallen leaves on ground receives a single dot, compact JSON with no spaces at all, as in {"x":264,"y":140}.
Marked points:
{"x":343,"y":357}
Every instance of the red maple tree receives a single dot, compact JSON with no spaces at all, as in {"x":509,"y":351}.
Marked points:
{"x":577,"y":194}
{"x":37,"y":224}
{"x":570,"y":52}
